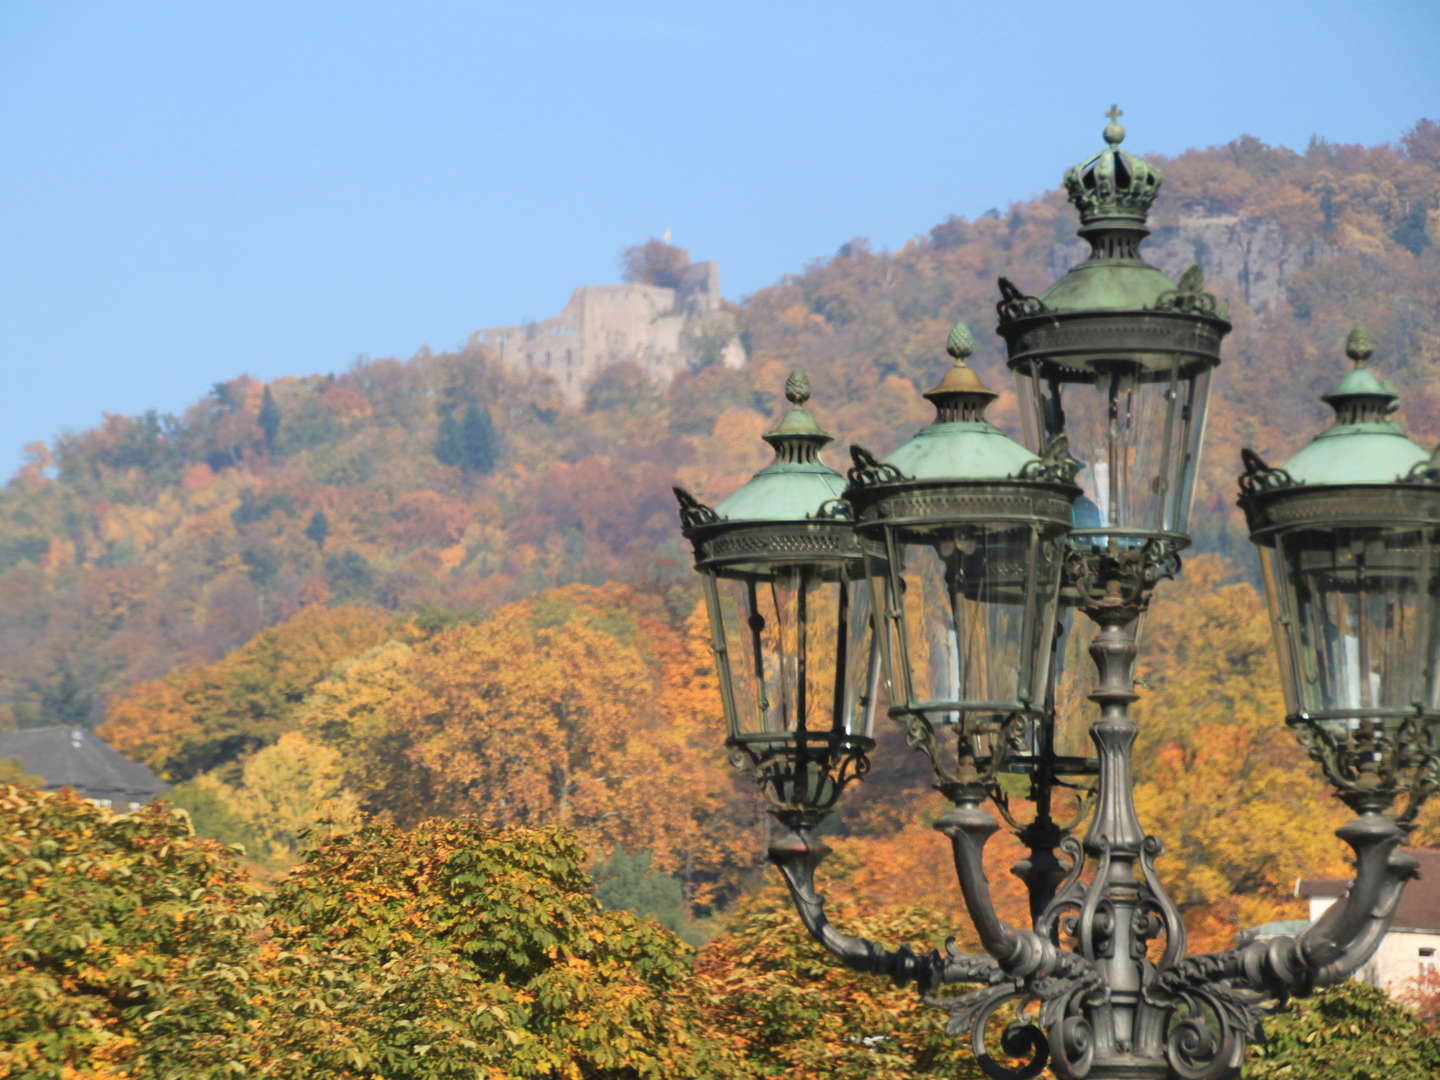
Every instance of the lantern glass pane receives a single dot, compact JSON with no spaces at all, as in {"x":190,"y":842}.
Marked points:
{"x":1135,"y":426}
{"x":1280,"y":602}
{"x":1357,"y":611}
{"x":801,"y":650}
{"x":975,"y":621}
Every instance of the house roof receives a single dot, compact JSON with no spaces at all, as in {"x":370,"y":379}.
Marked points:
{"x":73,"y":757}
{"x":1419,"y":907}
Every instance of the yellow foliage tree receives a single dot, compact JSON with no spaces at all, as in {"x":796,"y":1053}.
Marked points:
{"x":579,"y":707}
{"x":286,"y":791}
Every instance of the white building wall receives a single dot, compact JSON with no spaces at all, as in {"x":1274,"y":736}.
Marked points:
{"x":1400,"y":957}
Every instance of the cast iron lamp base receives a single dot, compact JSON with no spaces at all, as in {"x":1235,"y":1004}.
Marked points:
{"x":1092,"y":998}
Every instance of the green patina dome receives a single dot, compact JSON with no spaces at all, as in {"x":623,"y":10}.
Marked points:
{"x":1364,"y":445}
{"x":796,"y":485}
{"x":961,"y":444}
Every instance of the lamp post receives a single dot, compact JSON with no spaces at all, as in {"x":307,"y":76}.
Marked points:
{"x":973,"y":548}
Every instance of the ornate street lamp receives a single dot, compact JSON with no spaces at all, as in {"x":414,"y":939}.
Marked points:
{"x":1346,"y":531}
{"x":969,"y":535}
{"x":974,"y":546}
{"x":1118,"y":358}
{"x":790,"y":625}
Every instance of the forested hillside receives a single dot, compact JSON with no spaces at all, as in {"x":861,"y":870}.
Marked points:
{"x":429,"y":587}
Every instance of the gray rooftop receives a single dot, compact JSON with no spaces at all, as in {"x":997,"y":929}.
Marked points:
{"x":76,"y":758}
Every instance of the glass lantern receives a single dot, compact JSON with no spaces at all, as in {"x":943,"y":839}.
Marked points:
{"x":1347,"y":532}
{"x":789,"y":607}
{"x":1118,"y":358}
{"x":969,"y":530}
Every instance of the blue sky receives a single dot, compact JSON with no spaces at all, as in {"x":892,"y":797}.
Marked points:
{"x":193,"y":191}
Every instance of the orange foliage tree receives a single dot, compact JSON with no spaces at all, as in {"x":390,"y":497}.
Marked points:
{"x":199,"y":718}
{"x":574,"y":708}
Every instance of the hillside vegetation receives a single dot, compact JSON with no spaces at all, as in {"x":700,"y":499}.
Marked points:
{"x":429,"y":587}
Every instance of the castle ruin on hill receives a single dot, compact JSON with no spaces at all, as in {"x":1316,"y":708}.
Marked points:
{"x":662,"y":330}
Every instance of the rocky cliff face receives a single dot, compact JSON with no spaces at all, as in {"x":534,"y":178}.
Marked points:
{"x":1245,"y":260}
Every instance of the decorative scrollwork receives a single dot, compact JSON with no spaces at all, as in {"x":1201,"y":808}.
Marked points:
{"x":693,"y":513}
{"x":1424,"y":472}
{"x":1055,"y":464}
{"x":1189,"y":296}
{"x":1069,"y":896}
{"x":972,"y":1014}
{"x":1370,"y":763}
{"x":1014,"y":304}
{"x":1261,"y":477}
{"x":1063,"y":1014}
{"x":800,"y":774}
{"x":835,"y":510}
{"x":1159,"y":911}
{"x":975,"y":750}
{"x":869,"y":470}
{"x":919,"y":735}
{"x":1210,"y":1021}
{"x":1052,"y":1004}
{"x":1118,"y":575}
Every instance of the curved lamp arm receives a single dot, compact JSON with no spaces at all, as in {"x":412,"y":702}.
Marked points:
{"x":1345,"y":937}
{"x":1399,"y":870}
{"x":797,"y":854}
{"x":1019,"y":953}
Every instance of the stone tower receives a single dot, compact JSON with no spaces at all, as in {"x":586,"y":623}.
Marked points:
{"x":664,"y":331}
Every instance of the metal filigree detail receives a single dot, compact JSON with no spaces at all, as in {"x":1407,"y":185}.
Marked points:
{"x":968,"y":502}
{"x":1014,"y":304}
{"x":802,"y":773}
{"x":1261,"y":477}
{"x":1113,"y":181}
{"x":1055,"y":464}
{"x":1162,"y":916}
{"x":868,"y":470}
{"x":981,"y":748}
{"x":1210,"y":1021}
{"x":1188,"y":297}
{"x":1118,"y":576}
{"x":1424,"y":472}
{"x":693,"y":513}
{"x":773,"y":541}
{"x":1051,"y":1030}
{"x":1371,"y":764}
{"x":835,"y":510}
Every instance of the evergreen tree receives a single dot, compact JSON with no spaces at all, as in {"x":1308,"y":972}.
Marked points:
{"x":447,"y":439}
{"x":626,"y":881}
{"x":319,"y":528}
{"x":66,"y":699}
{"x":269,"y":419}
{"x":479,"y":443}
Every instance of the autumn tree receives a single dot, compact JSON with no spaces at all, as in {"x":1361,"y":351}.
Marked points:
{"x":575,"y":708}
{"x":132,"y":949}
{"x":790,"y":1009}
{"x":114,"y":927}
{"x":562,"y":987}
{"x":1347,"y":1032}
{"x":655,"y":262}
{"x":199,"y":718}
{"x":318,"y":528}
{"x":283,"y":796}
